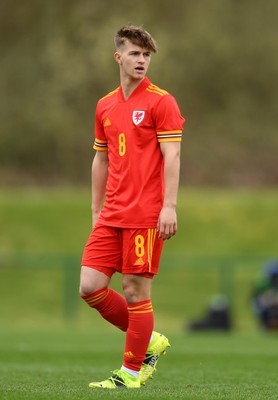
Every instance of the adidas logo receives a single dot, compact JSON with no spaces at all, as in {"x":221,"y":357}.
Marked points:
{"x":139,"y":261}
{"x":107,"y":122}
{"x":129,"y":354}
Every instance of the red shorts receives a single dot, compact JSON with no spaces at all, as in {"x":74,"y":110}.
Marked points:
{"x":128,"y":251}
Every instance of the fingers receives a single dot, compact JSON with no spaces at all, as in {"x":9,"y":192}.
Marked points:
{"x":167,"y":223}
{"x":166,"y":231}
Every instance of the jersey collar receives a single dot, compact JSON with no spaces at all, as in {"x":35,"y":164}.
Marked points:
{"x":142,"y":86}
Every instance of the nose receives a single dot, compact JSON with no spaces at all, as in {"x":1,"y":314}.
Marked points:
{"x":141,"y":58}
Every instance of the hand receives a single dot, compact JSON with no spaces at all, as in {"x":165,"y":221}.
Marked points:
{"x":167,"y":223}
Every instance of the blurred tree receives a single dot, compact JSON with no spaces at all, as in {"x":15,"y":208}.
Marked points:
{"x":219,"y":58}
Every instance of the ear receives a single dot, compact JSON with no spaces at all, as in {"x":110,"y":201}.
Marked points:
{"x":117,"y":57}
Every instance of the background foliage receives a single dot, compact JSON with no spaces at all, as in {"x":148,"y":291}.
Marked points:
{"x":219,"y":58}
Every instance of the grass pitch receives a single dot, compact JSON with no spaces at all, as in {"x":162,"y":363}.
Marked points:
{"x":59,"y":365}
{"x":51,"y":346}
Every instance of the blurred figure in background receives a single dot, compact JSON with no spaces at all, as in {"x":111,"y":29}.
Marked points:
{"x":265,"y":296}
{"x":217,"y":316}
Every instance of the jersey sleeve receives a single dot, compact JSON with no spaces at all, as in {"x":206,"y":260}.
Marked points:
{"x":100,"y":142}
{"x":168,"y":120}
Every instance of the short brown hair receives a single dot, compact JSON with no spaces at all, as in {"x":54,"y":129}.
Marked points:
{"x":136,"y":35}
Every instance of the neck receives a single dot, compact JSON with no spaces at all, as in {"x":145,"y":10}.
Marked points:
{"x":129,"y":85}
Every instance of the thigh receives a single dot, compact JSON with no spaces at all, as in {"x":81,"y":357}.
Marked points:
{"x":141,"y":251}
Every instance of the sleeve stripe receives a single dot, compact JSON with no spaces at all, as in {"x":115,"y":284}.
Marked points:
{"x":100,"y":148}
{"x":100,"y":142}
{"x":169,"y":139}
{"x":100,"y":145}
{"x":169,"y":136}
{"x":169,"y":132}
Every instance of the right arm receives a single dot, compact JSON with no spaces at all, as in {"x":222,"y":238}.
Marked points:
{"x":99,"y":179}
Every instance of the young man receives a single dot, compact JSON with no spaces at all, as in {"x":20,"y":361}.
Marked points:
{"x":138,"y":130}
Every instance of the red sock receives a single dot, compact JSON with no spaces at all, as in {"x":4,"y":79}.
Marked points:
{"x":111,"y":305}
{"x":140,"y":327}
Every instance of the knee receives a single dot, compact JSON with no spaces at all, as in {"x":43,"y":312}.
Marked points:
{"x":91,"y":280}
{"x":136,"y":289}
{"x":131,"y":295}
{"x":85,"y":289}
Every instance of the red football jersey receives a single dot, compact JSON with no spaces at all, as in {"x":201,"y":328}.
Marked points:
{"x":131,"y":130}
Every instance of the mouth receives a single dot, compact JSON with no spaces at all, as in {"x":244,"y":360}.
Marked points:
{"x":140,"y":69}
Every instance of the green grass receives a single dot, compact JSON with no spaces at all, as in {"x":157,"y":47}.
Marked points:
{"x":51,"y":344}
{"x":211,"y":221}
{"x":60,"y":364}
{"x":224,"y":238}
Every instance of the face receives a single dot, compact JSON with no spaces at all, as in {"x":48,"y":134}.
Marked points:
{"x":133,"y":60}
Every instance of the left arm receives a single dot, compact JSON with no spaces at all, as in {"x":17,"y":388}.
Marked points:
{"x":167,"y":221}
